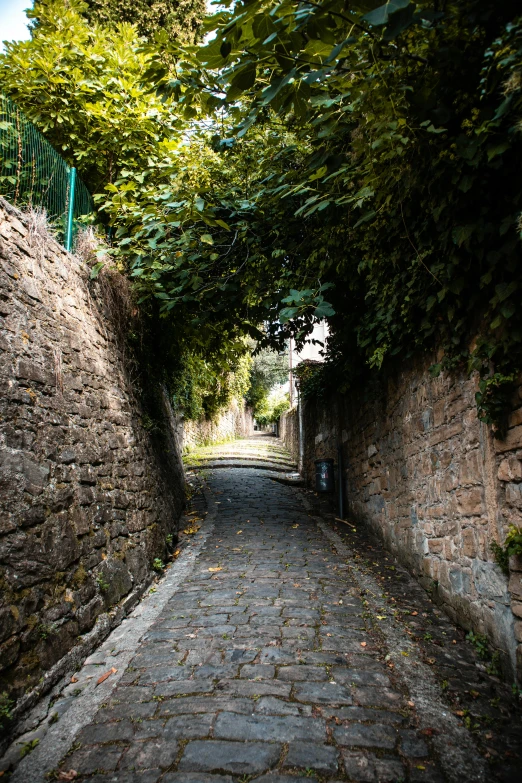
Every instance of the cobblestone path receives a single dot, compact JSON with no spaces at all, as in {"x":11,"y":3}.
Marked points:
{"x":264,"y":664}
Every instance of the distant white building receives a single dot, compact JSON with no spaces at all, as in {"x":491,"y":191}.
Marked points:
{"x":313,"y":350}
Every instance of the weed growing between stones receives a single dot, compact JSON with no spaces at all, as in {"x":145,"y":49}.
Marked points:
{"x":481,"y":644}
{"x":512,"y":547}
{"x":28,"y":747}
{"x":6,"y":705}
{"x":158,"y":565}
{"x":102,"y":584}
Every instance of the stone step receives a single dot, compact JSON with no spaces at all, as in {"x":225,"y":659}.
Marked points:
{"x":284,"y":463}
{"x":211,"y":464}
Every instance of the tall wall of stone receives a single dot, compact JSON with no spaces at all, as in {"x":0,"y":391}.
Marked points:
{"x":434,"y":484}
{"x":289,"y":432}
{"x":86,"y":503}
{"x":235,"y":422}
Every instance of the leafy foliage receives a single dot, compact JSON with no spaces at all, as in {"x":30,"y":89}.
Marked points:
{"x":83,"y":86}
{"x":179,"y":19}
{"x":203,"y":385}
{"x":268,"y":368}
{"x":6,"y":705}
{"x":408,"y":116}
{"x":312,"y":159}
{"x":512,"y":547}
{"x":271,"y":407}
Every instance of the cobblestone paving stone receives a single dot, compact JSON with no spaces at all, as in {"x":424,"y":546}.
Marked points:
{"x":264,"y":666}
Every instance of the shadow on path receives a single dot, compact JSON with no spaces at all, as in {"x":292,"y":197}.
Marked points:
{"x":271,"y":651}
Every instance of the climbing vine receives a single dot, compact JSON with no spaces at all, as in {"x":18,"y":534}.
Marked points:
{"x":356,"y":162}
{"x":409,"y":117}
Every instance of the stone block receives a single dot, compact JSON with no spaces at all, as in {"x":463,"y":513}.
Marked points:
{"x":470,"y":502}
{"x":31,"y":371}
{"x":512,"y":441}
{"x":360,"y":735}
{"x":268,"y":728}
{"x":469,"y":543}
{"x":85,"y":496}
{"x":514,"y":495}
{"x":510,"y":469}
{"x":471,"y":468}
{"x":515,"y":418}
{"x":445,"y":433}
{"x":80,"y":520}
{"x":435,"y":545}
{"x":116,"y":576}
{"x":244,"y":758}
{"x":310,"y":756}
{"x":515,"y":586}
{"x":460,"y":580}
{"x":9,"y":652}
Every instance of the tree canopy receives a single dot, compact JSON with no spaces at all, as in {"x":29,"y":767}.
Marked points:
{"x":317,"y":159}
{"x":178,"y":19}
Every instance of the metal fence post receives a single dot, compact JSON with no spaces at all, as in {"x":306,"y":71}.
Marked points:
{"x":70,"y":209}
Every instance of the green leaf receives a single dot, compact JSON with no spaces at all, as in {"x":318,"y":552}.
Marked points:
{"x":244,"y":78}
{"x":207,"y":239}
{"x":287,"y":314}
{"x":225,"y":49}
{"x":461,"y":234}
{"x":381,"y":15}
{"x":503,"y":290}
{"x":96,"y":269}
{"x":263,"y":27}
{"x":324,"y":310}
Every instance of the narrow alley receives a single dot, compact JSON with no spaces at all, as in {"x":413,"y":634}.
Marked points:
{"x":273,"y":649}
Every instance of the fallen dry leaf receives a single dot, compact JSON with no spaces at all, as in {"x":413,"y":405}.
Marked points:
{"x":239,"y":532}
{"x":363,"y":644}
{"x":411,"y":704}
{"x":294,"y":526}
{"x":215,"y":569}
{"x":74,"y":679}
{"x":414,"y":614}
{"x":104,"y":676}
{"x":70,"y":775}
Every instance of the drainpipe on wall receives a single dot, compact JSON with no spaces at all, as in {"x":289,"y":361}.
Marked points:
{"x":291,"y":373}
{"x":300,"y":464}
{"x":340,"y":479}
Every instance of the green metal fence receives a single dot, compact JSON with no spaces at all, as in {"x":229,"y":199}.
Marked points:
{"x":33,"y":174}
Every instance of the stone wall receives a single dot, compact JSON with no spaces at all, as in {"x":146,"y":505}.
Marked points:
{"x":288,"y":431}
{"x":435,"y":485}
{"x":236,"y":422}
{"x":86,"y":502}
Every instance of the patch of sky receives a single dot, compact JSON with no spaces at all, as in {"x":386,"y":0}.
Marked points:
{"x":13,"y":21}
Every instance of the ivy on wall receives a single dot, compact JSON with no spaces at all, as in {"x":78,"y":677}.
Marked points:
{"x":356,"y":162}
